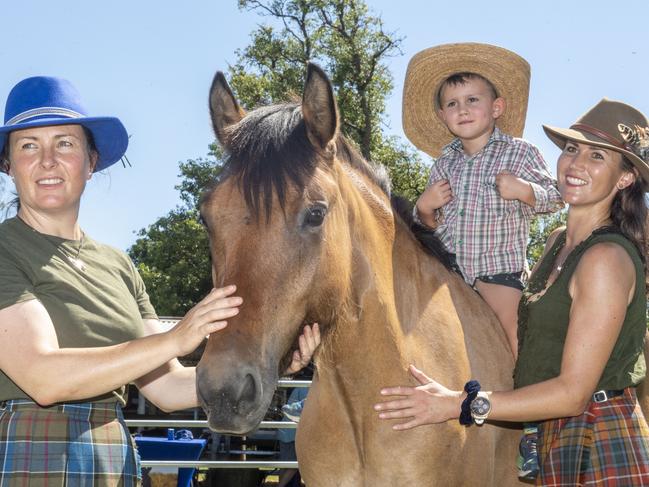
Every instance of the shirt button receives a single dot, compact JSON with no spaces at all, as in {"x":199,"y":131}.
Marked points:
{"x":466,"y":186}
{"x":461,"y":212}
{"x":460,"y":242}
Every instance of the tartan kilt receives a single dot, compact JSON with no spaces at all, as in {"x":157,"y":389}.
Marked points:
{"x":607,"y":445}
{"x":85,"y":445}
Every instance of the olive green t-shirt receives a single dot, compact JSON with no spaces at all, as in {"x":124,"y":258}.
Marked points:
{"x":96,"y":302}
{"x":543,"y":323}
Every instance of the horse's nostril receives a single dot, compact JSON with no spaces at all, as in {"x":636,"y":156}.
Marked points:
{"x":248,"y":391}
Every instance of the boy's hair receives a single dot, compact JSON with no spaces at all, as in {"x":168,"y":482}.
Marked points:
{"x":460,"y":79}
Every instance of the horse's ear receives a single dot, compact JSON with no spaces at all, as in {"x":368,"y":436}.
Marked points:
{"x":319,"y":107}
{"x":224,"y":109}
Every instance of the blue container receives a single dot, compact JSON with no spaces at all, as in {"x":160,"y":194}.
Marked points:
{"x":156,"y":448}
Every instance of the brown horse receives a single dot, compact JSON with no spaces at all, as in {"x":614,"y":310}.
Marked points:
{"x":306,"y":228}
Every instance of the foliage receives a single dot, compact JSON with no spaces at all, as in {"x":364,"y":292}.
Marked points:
{"x":172,"y":254}
{"x":351,"y":45}
{"x":407,"y":172}
{"x":540,"y":229}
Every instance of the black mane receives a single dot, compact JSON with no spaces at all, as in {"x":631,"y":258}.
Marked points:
{"x":269,"y":149}
{"x":431,"y":242}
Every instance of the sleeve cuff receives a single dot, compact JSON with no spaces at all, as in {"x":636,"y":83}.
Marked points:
{"x":544,"y":202}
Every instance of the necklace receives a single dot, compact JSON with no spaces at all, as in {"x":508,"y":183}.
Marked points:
{"x":598,"y":229}
{"x":559,"y":265}
{"x":74,"y":260}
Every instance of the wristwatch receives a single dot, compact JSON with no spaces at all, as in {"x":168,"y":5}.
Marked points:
{"x":480,"y":407}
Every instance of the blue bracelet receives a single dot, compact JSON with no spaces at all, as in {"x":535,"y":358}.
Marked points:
{"x":472,"y":387}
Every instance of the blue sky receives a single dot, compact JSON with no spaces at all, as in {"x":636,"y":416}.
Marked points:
{"x":151,"y":64}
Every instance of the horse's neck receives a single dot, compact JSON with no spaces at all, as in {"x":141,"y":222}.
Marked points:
{"x":387,"y":317}
{"x":411,"y":309}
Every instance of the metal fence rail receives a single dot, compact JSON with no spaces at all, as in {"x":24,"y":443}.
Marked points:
{"x":270,"y":464}
{"x":197,"y":423}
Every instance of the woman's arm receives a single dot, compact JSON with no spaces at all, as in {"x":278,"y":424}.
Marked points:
{"x":32,"y":358}
{"x":601,"y":289}
{"x":172,"y":386}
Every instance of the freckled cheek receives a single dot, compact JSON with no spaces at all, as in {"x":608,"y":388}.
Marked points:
{"x":562,"y":164}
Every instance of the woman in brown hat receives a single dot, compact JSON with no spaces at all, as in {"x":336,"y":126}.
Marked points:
{"x":582,"y":318}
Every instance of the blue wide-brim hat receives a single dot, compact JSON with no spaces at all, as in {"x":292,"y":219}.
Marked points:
{"x":42,"y":101}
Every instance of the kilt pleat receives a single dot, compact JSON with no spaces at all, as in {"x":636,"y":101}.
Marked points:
{"x":607,"y":445}
{"x":85,"y":445}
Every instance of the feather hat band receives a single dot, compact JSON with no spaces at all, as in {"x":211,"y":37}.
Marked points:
{"x":611,"y":125}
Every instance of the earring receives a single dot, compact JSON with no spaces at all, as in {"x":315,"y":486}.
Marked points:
{"x":619,"y":186}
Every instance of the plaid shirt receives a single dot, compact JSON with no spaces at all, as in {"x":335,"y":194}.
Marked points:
{"x":487,"y":233}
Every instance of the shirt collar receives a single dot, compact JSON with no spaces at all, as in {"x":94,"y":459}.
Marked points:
{"x":496,"y":136}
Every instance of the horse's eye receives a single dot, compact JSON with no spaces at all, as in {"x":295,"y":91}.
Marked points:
{"x":315,"y":215}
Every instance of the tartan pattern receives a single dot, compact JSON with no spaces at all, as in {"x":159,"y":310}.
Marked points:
{"x":85,"y":445}
{"x":607,"y":445}
{"x":487,"y":233}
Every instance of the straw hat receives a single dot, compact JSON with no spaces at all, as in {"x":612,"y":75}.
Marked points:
{"x":507,"y":71}
{"x":612,"y":125}
{"x":43,"y":101}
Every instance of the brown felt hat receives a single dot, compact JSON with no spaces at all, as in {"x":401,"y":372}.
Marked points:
{"x":612,"y":125}
{"x":428,"y":69}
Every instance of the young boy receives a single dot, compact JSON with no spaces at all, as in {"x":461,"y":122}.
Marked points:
{"x":464,"y":104}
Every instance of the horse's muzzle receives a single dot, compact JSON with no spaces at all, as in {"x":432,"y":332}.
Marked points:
{"x":234,"y":403}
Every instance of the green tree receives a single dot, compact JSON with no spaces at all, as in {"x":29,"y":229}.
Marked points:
{"x":351,"y":44}
{"x":172,"y":254}
{"x":540,"y":229}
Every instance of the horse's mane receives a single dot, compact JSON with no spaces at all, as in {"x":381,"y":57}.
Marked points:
{"x":431,"y":242}
{"x":269,"y":149}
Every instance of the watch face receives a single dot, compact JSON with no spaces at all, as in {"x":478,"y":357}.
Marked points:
{"x":480,"y":406}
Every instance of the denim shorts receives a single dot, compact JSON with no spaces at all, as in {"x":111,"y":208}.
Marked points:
{"x":509,"y":279}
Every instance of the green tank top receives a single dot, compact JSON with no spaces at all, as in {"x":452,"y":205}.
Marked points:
{"x":543,"y":323}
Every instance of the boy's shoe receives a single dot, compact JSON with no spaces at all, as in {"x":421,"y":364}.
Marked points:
{"x":293,"y":410}
{"x":528,"y":457}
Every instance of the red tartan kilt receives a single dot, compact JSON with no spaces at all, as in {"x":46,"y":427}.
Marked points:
{"x":608,"y":445}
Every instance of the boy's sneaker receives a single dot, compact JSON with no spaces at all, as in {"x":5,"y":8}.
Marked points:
{"x":528,"y":457}
{"x":293,"y":410}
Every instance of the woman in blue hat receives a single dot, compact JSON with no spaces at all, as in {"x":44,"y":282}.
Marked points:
{"x":76,"y":323}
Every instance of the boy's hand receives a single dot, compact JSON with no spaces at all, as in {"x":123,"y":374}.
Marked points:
{"x":436,"y":195}
{"x":511,"y":187}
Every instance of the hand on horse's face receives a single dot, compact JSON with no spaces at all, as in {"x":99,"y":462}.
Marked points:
{"x":205,"y":318}
{"x":427,"y":403}
{"x":308,"y":341}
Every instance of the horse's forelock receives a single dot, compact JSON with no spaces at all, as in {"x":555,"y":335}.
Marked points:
{"x":269,"y":150}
